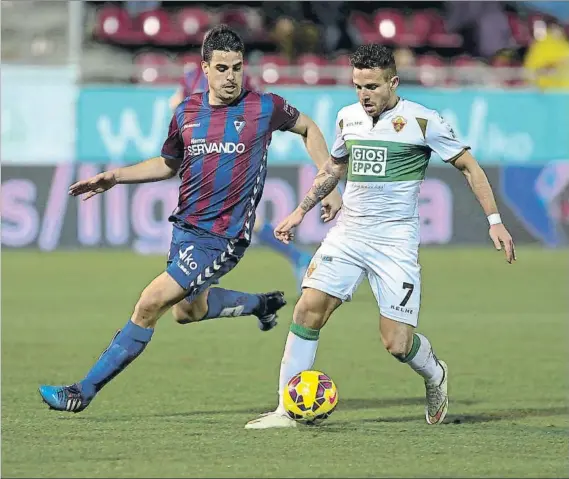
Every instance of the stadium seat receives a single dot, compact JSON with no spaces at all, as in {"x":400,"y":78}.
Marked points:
{"x":315,"y":70}
{"x":420,"y":23}
{"x":361,"y":26}
{"x":237,"y":18}
{"x":194,"y":22}
{"x":438,"y":36}
{"x":160,"y":29}
{"x":155,"y":68}
{"x":519,"y":28}
{"x":115,"y":25}
{"x":391,"y":27}
{"x":272,"y":70}
{"x":430,"y":72}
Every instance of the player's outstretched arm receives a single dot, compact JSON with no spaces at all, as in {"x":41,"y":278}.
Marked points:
{"x":479,"y":184}
{"x":326,"y":180}
{"x":313,"y":139}
{"x":154,"y":169}
{"x":318,"y":151}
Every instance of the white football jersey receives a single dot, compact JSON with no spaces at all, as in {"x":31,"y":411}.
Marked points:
{"x":387,"y":164}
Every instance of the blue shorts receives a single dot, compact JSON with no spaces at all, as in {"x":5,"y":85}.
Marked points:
{"x":198,"y":259}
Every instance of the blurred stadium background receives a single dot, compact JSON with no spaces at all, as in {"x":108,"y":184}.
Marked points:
{"x":88,"y":85}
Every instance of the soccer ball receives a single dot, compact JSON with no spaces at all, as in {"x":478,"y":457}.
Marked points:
{"x":310,"y":397}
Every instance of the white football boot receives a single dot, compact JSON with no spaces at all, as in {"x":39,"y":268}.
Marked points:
{"x":437,"y":399}
{"x":271,"y":420}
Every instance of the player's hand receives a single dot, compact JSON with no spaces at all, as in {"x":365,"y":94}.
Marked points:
{"x":331,"y":205}
{"x":93,"y":186}
{"x":502,"y":238}
{"x":283,"y":232}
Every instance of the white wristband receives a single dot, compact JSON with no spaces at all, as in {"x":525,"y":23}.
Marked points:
{"x":494,"y":219}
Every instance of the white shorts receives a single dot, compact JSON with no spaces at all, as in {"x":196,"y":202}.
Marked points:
{"x":393,"y":271}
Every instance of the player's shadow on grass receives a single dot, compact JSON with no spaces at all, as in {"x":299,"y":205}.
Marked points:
{"x":350,"y":404}
{"x":354,"y":404}
{"x":491,"y":416}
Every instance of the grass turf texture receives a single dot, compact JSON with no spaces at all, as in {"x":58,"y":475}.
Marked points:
{"x":179,"y":409}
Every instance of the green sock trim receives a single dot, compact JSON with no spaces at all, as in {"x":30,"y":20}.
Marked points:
{"x":305,"y":333}
{"x":414,"y":348}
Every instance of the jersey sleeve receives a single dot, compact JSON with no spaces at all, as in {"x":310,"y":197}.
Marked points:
{"x":339,"y":149}
{"x":284,"y":116}
{"x":173,"y":148}
{"x":440,"y":138}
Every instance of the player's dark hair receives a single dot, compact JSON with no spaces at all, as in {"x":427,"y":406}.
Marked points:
{"x":221,"y":38}
{"x":374,"y":56}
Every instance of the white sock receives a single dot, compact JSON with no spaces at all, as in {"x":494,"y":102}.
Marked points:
{"x":299,"y":355}
{"x":423,"y":360}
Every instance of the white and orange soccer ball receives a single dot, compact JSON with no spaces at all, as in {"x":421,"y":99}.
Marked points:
{"x":310,"y":397}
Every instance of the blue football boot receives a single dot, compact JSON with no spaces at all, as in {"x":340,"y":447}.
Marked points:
{"x":267,"y":310}
{"x":64,"y":398}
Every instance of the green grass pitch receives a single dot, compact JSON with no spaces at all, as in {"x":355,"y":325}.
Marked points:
{"x":179,"y":410}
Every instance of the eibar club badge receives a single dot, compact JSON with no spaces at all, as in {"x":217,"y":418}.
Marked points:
{"x":239,"y":124}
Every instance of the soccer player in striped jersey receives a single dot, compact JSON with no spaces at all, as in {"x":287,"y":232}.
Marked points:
{"x":195,"y":81}
{"x":217,"y":143}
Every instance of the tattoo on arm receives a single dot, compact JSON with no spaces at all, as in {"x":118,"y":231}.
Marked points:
{"x":324,"y":183}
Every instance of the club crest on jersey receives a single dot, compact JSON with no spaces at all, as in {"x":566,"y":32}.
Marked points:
{"x":399,"y":123}
{"x":311,"y":268}
{"x":239,"y":124}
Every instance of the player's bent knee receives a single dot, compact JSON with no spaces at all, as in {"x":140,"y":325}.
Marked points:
{"x":155,"y":300}
{"x":396,"y":337}
{"x":396,"y":348}
{"x":147,"y":310}
{"x":314,"y":308}
{"x":188,"y":313}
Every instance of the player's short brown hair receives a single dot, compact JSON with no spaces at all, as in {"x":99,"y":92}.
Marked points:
{"x":372,"y":56}
{"x":221,"y":38}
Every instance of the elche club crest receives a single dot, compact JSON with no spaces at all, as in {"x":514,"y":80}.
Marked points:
{"x":310,"y":269}
{"x":398,"y":123}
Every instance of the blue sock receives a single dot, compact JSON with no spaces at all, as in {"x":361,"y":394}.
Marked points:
{"x":125,"y":347}
{"x":289,"y":250}
{"x":222,"y":303}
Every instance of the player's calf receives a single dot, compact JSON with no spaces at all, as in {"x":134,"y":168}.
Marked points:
{"x":415,"y":350}
{"x":411,"y":348}
{"x":224,"y":303}
{"x":310,"y":314}
{"x":186,"y":312}
{"x":126,"y":345}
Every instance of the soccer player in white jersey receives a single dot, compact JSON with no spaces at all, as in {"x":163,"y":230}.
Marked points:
{"x":383,"y":144}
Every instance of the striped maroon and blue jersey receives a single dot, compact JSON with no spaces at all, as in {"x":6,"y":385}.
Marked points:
{"x":223,"y":155}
